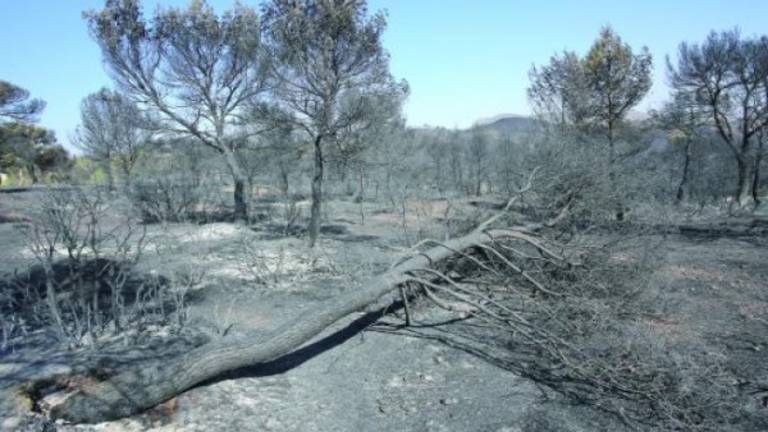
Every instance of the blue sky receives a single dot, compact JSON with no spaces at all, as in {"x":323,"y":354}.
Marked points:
{"x":465,"y":60}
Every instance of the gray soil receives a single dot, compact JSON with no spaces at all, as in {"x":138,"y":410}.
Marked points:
{"x":367,"y":373}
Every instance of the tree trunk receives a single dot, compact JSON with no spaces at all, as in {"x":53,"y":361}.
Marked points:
{"x":361,"y":191}
{"x":317,"y":193}
{"x":285,"y":185}
{"x":241,"y":208}
{"x":438,"y":174}
{"x":346,"y":178}
{"x":142,"y":388}
{"x":756,"y":170}
{"x":686,"y":167}
{"x":240,"y":180}
{"x":743,"y":195}
{"x":110,"y":175}
{"x":612,"y":171}
{"x":127,"y":176}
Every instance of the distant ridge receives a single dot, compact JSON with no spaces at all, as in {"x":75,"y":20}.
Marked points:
{"x":508,"y":123}
{"x":497,"y":117}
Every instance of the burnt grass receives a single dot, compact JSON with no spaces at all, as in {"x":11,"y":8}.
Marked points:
{"x":273,"y":231}
{"x":706,"y":298}
{"x":87,"y":287}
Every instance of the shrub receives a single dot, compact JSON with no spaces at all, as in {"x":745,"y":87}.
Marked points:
{"x":167,"y":199}
{"x":84,"y":284}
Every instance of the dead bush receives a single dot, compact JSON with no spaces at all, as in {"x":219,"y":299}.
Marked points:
{"x":566,"y":316}
{"x":84,"y":284}
{"x":168,"y":198}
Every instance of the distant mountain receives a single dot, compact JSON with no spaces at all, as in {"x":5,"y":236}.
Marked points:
{"x":508,"y":124}
{"x":497,"y":117}
{"x":519,"y":123}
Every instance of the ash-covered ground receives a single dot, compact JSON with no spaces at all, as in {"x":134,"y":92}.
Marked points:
{"x":368,"y":372}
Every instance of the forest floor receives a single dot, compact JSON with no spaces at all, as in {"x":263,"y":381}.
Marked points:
{"x":367,"y":373}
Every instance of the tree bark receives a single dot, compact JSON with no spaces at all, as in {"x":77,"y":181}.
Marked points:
{"x":317,"y":193}
{"x":240,"y":180}
{"x":756,"y":170}
{"x":136,"y":390}
{"x":686,"y":168}
{"x":743,"y":193}
{"x":127,"y":166}
{"x":241,"y":208}
{"x":285,"y":184}
{"x":361,"y":191}
{"x":612,"y":170}
{"x":110,"y":174}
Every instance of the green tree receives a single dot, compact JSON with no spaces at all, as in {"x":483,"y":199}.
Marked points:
{"x":30,"y":148}
{"x":18,"y":139}
{"x":15,"y":104}
{"x":595,"y":93}
{"x":617,"y":80}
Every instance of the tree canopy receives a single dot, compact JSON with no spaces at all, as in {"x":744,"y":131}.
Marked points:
{"x":15,"y":103}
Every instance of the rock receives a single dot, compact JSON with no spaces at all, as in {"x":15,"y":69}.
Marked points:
{"x":449,"y":401}
{"x":273,"y":424}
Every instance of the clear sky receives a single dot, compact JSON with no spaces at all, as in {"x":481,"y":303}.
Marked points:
{"x":465,"y":60}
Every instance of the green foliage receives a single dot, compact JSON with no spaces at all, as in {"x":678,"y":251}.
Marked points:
{"x":85,"y":170}
{"x":33,"y":149}
{"x":14,"y":103}
{"x":615,"y":77}
{"x":10,"y":180}
{"x":25,"y":146}
{"x":593,"y":93}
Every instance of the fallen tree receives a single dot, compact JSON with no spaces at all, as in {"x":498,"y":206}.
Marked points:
{"x":568,"y":317}
{"x":132,"y":391}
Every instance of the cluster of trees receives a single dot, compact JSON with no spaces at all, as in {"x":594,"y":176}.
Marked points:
{"x":592,"y":95}
{"x":722,"y":84}
{"x":720,"y":89}
{"x":305,"y":86}
{"x":311,"y":74}
{"x":113,"y":131}
{"x":26,"y":149}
